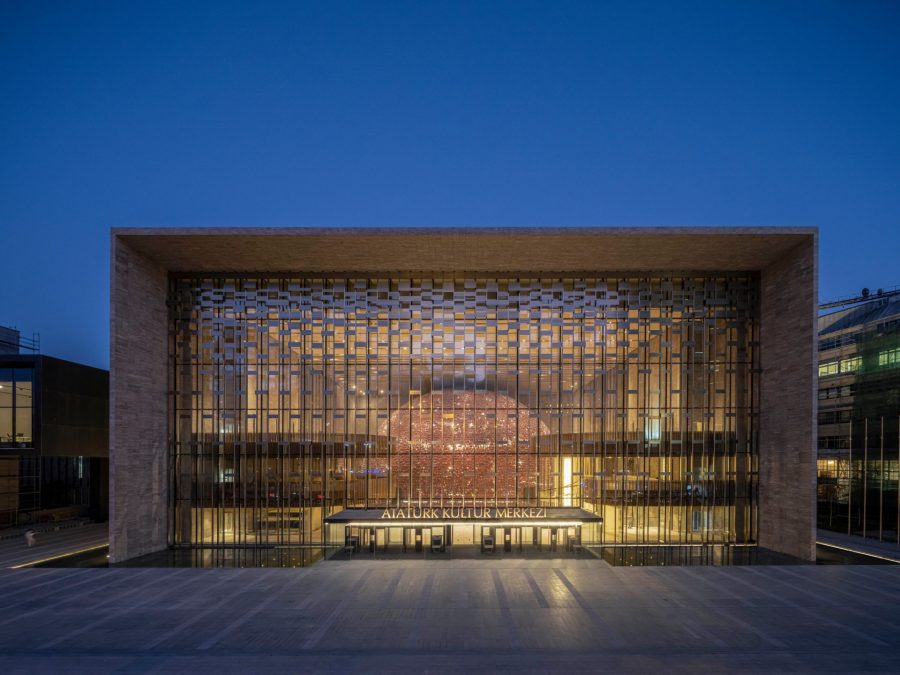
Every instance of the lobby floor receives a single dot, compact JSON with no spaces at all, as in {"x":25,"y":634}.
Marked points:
{"x":415,"y":616}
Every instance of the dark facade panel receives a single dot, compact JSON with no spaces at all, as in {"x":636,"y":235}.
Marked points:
{"x":54,"y":424}
{"x":74,"y":409}
{"x":70,"y":406}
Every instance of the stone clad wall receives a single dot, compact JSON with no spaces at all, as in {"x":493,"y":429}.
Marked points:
{"x":139,"y":479}
{"x":138,"y":473}
{"x":787,"y":443}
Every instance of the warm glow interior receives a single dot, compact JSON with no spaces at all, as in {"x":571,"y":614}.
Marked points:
{"x":634,"y":398}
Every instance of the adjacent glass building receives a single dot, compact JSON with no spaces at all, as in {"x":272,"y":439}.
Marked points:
{"x":315,"y":387}
{"x":859,"y":416}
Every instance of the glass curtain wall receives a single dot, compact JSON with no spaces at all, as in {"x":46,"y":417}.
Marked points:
{"x":294,"y":398}
{"x":858,"y":484}
{"x":19,"y":465}
{"x":16,"y":406}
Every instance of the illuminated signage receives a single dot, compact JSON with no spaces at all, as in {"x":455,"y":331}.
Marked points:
{"x":463,"y":513}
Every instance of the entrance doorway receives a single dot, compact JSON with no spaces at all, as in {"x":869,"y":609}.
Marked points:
{"x":464,"y":538}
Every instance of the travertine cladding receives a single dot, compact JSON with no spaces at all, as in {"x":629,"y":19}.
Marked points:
{"x":138,"y":456}
{"x":787,"y":455}
{"x":786,"y":258}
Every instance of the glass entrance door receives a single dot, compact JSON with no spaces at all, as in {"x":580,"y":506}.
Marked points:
{"x":414,"y":539}
{"x":463,"y":535}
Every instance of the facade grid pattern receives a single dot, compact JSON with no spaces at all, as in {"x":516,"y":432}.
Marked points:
{"x":634,"y":397}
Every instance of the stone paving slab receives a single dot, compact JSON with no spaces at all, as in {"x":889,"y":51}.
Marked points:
{"x":52,"y":543}
{"x":887,"y":549}
{"x":415,"y":616}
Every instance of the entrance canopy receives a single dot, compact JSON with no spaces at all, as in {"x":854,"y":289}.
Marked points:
{"x":424,"y":516}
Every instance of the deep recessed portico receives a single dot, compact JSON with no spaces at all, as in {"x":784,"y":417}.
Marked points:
{"x":264,"y":381}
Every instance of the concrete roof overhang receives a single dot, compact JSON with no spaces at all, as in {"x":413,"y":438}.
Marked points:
{"x":462,"y":250}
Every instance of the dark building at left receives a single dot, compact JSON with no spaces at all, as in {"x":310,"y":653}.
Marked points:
{"x":54,"y":426}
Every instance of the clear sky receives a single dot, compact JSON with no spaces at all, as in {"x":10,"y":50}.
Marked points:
{"x":436,"y":114}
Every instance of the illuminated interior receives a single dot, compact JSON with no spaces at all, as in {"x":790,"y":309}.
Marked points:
{"x":296,"y":398}
{"x":458,"y":444}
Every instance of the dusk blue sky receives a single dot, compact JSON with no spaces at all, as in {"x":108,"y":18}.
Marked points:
{"x":436,"y":114}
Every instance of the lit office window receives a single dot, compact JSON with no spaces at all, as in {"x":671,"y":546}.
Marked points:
{"x":6,"y":406}
{"x":16,"y":406}
{"x":889,"y":358}
{"x":831,"y":368}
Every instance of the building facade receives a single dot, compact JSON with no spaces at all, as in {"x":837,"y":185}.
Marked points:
{"x":54,"y":426}
{"x":519,"y":387}
{"x":859,"y":412}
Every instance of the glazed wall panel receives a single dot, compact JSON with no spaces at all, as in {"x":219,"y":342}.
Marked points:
{"x":292,"y":398}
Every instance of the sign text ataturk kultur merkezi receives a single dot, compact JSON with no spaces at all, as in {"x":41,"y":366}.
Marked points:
{"x":463,"y":513}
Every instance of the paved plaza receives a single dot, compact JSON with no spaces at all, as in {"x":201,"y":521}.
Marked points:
{"x":451,"y":616}
{"x":51,"y":541}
